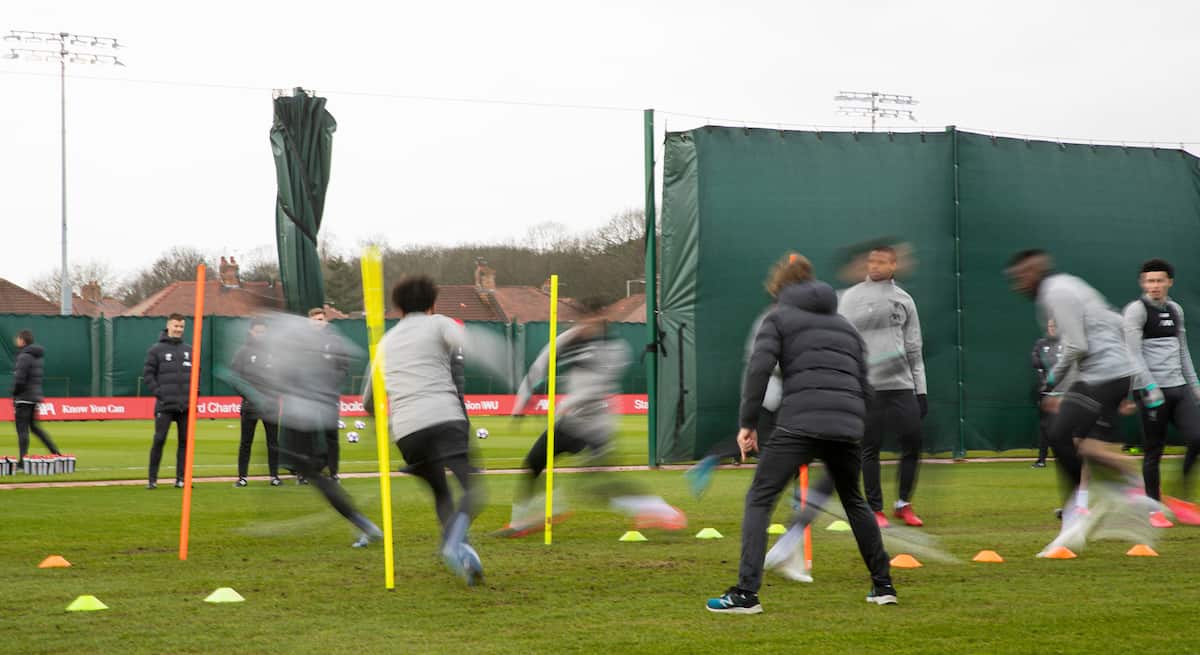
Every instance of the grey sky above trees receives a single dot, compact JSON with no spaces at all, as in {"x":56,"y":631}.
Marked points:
{"x":475,"y":122}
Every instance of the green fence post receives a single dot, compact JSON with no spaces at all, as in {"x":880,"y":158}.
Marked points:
{"x":96,"y":327}
{"x":651,"y":290}
{"x":961,"y":451}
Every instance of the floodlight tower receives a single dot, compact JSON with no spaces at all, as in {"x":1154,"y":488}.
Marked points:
{"x":64,"y":48}
{"x":875,"y":105}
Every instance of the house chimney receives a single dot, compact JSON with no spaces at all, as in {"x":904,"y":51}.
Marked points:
{"x":485,"y":276}
{"x":91,"y":292}
{"x":228,"y":273}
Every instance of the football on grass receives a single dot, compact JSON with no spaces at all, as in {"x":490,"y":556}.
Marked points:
{"x":482,"y":433}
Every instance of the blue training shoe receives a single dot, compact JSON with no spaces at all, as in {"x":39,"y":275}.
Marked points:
{"x":699,"y":477}
{"x":735,"y":601}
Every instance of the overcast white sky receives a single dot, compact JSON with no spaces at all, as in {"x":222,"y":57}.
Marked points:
{"x":173,"y":149}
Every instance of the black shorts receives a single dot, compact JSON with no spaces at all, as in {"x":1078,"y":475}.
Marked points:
{"x":1104,"y":400}
{"x":434,"y":443}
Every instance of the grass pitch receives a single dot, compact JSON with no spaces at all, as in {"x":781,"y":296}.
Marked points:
{"x":308,"y":592}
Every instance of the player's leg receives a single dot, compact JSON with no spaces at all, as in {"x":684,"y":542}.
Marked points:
{"x":305,"y":454}
{"x":842,"y":460}
{"x":1077,"y":413}
{"x":248,"y":425}
{"x":162,"y":423}
{"x":905,"y":416}
{"x":272,"y":431}
{"x":181,"y":431}
{"x":1187,"y":422}
{"x":876,"y":424}
{"x":333,"y":451}
{"x":787,"y":556}
{"x":42,"y":435}
{"x":535,"y":459}
{"x":1045,"y":420}
{"x":23,"y":415}
{"x":1154,"y":439}
{"x":778,"y":463}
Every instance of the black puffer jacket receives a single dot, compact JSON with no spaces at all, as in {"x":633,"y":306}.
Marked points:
{"x":168,"y":372}
{"x":28,"y":373}
{"x":824,"y":367}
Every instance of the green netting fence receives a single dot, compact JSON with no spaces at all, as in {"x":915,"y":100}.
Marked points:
{"x":737,"y":199}
{"x":104,"y":356}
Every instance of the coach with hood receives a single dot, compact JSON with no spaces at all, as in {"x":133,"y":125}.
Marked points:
{"x":820,"y":416}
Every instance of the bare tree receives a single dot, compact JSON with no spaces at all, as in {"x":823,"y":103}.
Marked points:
{"x":622,"y":228}
{"x":547,"y":236}
{"x":176,"y":265}
{"x":49,"y":285}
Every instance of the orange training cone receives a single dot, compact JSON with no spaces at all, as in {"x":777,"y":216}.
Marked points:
{"x":1062,"y":552}
{"x":990,"y":556}
{"x":1141,"y":550}
{"x":54,"y":562}
{"x":905,"y":561}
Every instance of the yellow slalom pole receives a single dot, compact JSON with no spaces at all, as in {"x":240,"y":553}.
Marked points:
{"x":372,"y":276}
{"x":552,"y":373}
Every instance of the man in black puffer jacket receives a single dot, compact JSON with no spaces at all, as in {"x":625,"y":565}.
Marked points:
{"x":27,"y":393}
{"x":825,"y":390}
{"x":168,"y":375}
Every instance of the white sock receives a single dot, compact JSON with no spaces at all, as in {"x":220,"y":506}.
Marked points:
{"x":634,"y":505}
{"x":790,"y":539}
{"x":1081,"y":498}
{"x":900,"y":504}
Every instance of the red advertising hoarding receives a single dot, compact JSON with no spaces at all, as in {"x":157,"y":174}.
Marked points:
{"x":225,"y":407}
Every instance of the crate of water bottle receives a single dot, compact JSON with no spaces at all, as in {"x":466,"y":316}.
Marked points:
{"x":41,"y":465}
{"x":8,"y":465}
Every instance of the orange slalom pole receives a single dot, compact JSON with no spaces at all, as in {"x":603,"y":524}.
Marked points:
{"x":193,"y":394}
{"x":807,"y":528}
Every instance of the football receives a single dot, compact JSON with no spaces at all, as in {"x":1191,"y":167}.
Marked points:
{"x":360,"y":425}
{"x":352,"y":437}
{"x":341,"y":425}
{"x":482,"y":433}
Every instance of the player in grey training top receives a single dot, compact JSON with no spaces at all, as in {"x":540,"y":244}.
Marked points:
{"x":590,"y":365}
{"x":1093,"y":340}
{"x":426,"y":415}
{"x":1157,"y":338}
{"x":886,"y":317}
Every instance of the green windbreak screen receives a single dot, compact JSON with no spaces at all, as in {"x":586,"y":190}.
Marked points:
{"x":1100,"y":211}
{"x":70,"y":360}
{"x":104,"y":357}
{"x":748,"y":197}
{"x":735,"y":200}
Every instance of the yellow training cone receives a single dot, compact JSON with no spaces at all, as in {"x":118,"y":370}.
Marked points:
{"x":86,"y":604}
{"x":1141,"y":550}
{"x":905,"y":561}
{"x":776,"y":528}
{"x":224,"y":595}
{"x":988,"y":556}
{"x":54,"y":562}
{"x":709,"y":533}
{"x":633,"y":535}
